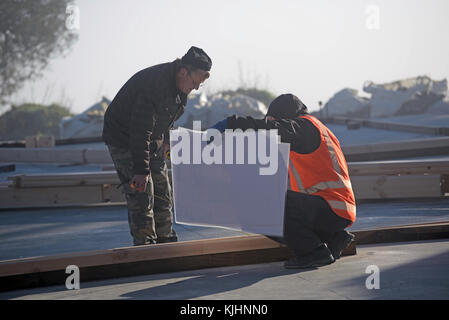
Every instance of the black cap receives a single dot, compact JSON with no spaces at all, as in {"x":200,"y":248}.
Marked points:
{"x":286,"y":106}
{"x":196,"y":57}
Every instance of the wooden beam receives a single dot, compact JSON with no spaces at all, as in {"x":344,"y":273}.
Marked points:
{"x":398,"y":167}
{"x":392,"y":126}
{"x":65,"y":179}
{"x":60,"y":196}
{"x":413,"y":232}
{"x":55,"y":155}
{"x":397,"y":149}
{"x":396,"y":187}
{"x":60,"y":142}
{"x":130,"y":261}
{"x":414,"y":144}
{"x":167,"y":257}
{"x":140,"y":253}
{"x":186,"y":255}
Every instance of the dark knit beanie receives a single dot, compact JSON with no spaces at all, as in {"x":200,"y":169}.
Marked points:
{"x":196,"y":57}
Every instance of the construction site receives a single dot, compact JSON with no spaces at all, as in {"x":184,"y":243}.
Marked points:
{"x":61,"y":206}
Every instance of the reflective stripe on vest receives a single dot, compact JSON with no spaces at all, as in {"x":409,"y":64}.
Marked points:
{"x":342,"y":205}
{"x":330,"y":147}
{"x":297,"y":179}
{"x":342,"y":200}
{"x":343,"y":183}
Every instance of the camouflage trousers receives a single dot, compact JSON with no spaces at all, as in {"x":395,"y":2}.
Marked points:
{"x":150,"y":212}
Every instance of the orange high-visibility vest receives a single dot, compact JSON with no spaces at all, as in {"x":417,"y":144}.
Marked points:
{"x":324,"y":173}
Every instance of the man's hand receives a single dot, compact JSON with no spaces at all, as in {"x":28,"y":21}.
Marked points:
{"x":139,"y":182}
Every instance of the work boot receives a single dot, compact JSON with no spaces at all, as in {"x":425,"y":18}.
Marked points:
{"x":320,"y":256}
{"x":340,"y":241}
{"x":167,"y":239}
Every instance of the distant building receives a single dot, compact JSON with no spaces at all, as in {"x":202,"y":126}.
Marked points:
{"x":86,"y":124}
{"x":208,"y":109}
{"x":417,"y":95}
{"x":213,"y":108}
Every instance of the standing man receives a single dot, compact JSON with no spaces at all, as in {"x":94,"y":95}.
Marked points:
{"x":136,"y":131}
{"x":320,"y":202}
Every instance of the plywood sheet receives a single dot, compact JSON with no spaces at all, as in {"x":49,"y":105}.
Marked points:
{"x":230,"y":195}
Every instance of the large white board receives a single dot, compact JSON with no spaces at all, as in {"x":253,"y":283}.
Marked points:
{"x":229,"y":195}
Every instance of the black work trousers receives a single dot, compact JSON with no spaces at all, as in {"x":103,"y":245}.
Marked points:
{"x":308,"y":222}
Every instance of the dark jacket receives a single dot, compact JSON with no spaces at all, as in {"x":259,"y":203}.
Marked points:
{"x":142,"y":113}
{"x":302,"y":135}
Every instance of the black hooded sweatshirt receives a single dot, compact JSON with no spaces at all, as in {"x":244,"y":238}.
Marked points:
{"x":302,"y":134}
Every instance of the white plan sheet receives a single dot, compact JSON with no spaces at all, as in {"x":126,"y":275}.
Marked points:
{"x":233,"y":194}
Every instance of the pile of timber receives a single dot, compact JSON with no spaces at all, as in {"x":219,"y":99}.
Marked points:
{"x":373,"y":180}
{"x":57,"y":189}
{"x":406,"y":179}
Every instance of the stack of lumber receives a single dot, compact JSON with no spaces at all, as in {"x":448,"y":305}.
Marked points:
{"x":43,"y":190}
{"x":370,"y":181}
{"x":399,"y":179}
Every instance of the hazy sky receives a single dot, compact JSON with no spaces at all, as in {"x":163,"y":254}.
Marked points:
{"x":310,"y":48}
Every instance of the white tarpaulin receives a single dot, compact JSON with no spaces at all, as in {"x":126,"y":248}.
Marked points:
{"x":243,"y":189}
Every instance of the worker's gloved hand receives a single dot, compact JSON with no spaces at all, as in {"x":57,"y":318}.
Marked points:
{"x":221,"y":125}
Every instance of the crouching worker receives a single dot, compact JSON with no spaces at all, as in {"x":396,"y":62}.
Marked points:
{"x":320,"y":203}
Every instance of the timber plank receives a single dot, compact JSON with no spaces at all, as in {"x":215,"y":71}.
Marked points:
{"x":196,"y":254}
{"x":65,"y":179}
{"x":52,"y":155}
{"x":56,"y":196}
{"x":140,"y":253}
{"x":397,"y":149}
{"x":427,"y":231}
{"x":396,"y":187}
{"x":393,"y":126}
{"x":398,"y":167}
